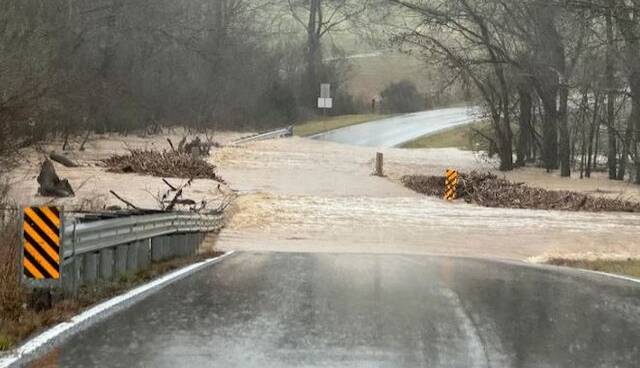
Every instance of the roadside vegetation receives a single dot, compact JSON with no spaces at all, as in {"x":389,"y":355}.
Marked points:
{"x":465,"y":138}
{"x":629,"y":267}
{"x":321,"y":125}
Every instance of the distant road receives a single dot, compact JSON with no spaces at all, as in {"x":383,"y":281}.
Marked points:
{"x":401,"y":129}
{"x":342,"y":310}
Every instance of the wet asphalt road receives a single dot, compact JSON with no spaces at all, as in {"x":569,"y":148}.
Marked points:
{"x":349,"y":310}
{"x":400,"y":129}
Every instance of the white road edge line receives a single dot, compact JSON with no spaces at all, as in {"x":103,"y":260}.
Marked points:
{"x":539,"y":266}
{"x":612,"y":275}
{"x":99,"y":312}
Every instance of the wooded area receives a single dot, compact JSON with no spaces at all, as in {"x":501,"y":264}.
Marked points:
{"x":559,"y":79}
{"x":70,"y":66}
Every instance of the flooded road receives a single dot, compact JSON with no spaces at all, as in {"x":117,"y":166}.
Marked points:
{"x":300,"y":195}
{"x":341,"y":310}
{"x":401,"y":129}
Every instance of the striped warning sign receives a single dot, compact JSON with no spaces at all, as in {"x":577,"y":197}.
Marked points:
{"x":451,"y":185}
{"x":41,"y":243}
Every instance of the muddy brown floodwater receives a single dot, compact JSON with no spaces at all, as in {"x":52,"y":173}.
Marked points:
{"x":304,"y":195}
{"x":300,"y":195}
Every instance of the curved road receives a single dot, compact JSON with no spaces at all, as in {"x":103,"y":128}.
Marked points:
{"x":401,"y":129}
{"x":330,"y":310}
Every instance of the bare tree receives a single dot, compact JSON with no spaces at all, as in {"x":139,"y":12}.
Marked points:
{"x":319,"y":18}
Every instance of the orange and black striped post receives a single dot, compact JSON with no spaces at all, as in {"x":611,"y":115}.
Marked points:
{"x":451,"y":185}
{"x":41,"y":243}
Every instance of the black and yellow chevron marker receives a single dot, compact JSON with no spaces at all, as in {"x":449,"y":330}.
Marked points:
{"x":451,"y":185}
{"x":41,"y":243}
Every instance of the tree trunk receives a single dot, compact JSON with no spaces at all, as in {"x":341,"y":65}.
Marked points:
{"x":592,"y":130}
{"x":624,"y":158}
{"x":565,"y":141}
{"x":634,"y":120}
{"x":612,"y":153}
{"x":313,"y":49}
{"x":627,"y":22}
{"x":524,"y":135}
{"x":550,"y":136}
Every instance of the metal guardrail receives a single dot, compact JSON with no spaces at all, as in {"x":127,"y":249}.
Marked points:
{"x":90,"y":237}
{"x":107,"y":249}
{"x":286,"y":132}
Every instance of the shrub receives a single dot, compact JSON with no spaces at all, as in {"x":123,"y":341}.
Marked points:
{"x":402,"y":97}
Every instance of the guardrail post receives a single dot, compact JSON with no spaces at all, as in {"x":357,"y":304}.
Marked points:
{"x":157,"y":249}
{"x":90,"y":267}
{"x":69,"y":276}
{"x":176,"y":245}
{"x":132,"y":258}
{"x":106,"y":264}
{"x":171,"y":244}
{"x":199,"y":238}
{"x":192,"y":243}
{"x":144,"y":254}
{"x":121,"y":260}
{"x":185,"y":245}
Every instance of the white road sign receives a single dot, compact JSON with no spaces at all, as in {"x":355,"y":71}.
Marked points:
{"x":325,"y":90}
{"x":325,"y":103}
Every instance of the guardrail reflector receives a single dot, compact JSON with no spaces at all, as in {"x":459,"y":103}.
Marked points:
{"x":41,"y":243}
{"x":451,"y":185}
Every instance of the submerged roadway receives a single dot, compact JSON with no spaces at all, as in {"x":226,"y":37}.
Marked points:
{"x":349,"y":310}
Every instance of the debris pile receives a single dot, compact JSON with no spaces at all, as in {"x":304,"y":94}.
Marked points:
{"x":490,"y":191}
{"x":196,"y":146}
{"x":162,"y":164}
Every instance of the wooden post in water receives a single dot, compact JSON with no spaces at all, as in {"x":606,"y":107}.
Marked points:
{"x":379,"y":164}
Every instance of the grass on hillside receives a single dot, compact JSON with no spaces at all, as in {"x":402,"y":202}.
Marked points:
{"x":629,"y":267}
{"x":462,"y":137}
{"x":370,"y":75}
{"x":335,"y":122}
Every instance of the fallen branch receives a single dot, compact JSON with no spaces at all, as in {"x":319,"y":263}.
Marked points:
{"x":129,"y":204}
{"x":63,"y":160}
{"x":169,"y":185}
{"x":173,"y":149}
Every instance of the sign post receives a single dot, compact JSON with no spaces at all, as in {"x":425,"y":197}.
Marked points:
{"x":325,"y":101}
